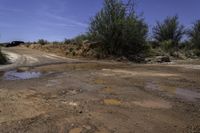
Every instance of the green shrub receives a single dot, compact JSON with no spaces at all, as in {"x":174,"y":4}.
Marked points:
{"x":197,"y":52}
{"x":3,"y":58}
{"x":170,"y":30}
{"x":193,"y":53}
{"x":78,"y":40}
{"x":184,"y":45}
{"x":117,"y":27}
{"x":56,"y":42}
{"x":194,"y":35}
{"x":73,"y":53}
{"x":71,"y":50}
{"x":167,"y":46}
{"x":42,"y":41}
{"x":67,"y":41}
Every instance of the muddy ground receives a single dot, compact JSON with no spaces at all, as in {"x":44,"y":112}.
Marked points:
{"x":100,"y":97}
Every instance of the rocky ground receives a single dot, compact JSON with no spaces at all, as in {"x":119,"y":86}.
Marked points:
{"x":78,"y":96}
{"x":69,"y":50}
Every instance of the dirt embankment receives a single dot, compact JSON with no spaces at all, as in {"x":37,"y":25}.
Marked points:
{"x":90,"y":51}
{"x":69,"y":50}
{"x":87,"y":51}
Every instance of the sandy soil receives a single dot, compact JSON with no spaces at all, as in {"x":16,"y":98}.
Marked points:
{"x":99,"y":97}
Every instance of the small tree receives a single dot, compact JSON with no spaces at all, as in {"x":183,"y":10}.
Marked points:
{"x":67,"y":41}
{"x":194,"y":34}
{"x":169,"y":30}
{"x":42,"y":41}
{"x":118,"y":29}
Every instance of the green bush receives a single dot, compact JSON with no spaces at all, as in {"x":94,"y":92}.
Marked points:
{"x":170,"y":30}
{"x":56,"y":43}
{"x":167,"y":46}
{"x":67,"y":41}
{"x":3,"y":58}
{"x":117,"y":27}
{"x":194,"y":35}
{"x":197,"y":52}
{"x":78,"y":40}
{"x":42,"y":41}
{"x":71,"y":50}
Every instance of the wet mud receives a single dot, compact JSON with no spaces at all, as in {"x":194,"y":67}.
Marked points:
{"x":100,"y":98}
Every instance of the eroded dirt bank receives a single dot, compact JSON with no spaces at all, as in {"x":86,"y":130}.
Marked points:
{"x":81,"y":97}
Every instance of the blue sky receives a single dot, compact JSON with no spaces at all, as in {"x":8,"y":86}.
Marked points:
{"x":30,"y":20}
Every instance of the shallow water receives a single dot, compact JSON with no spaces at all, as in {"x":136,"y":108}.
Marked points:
{"x":187,"y":94}
{"x":20,"y":75}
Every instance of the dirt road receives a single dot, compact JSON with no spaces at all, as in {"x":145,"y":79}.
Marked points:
{"x":45,"y":95}
{"x":20,"y":56}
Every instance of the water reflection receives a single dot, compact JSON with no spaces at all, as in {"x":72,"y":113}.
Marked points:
{"x":20,"y":75}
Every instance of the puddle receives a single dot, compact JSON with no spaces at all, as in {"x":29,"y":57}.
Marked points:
{"x":187,"y":94}
{"x":152,"y":86}
{"x":20,"y":75}
{"x":75,"y":66}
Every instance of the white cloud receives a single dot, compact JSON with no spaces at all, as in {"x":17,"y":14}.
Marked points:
{"x":66,"y":20}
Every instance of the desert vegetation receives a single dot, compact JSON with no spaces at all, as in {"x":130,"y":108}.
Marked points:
{"x":42,"y":41}
{"x":3,"y":58}
{"x":169,"y":33}
{"x":194,"y":35}
{"x":89,"y":83}
{"x":117,"y":31}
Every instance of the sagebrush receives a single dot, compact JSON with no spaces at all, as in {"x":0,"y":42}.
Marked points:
{"x":118,"y":28}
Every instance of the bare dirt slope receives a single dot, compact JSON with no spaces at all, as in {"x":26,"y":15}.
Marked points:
{"x":99,"y":97}
{"x":21,"y":56}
